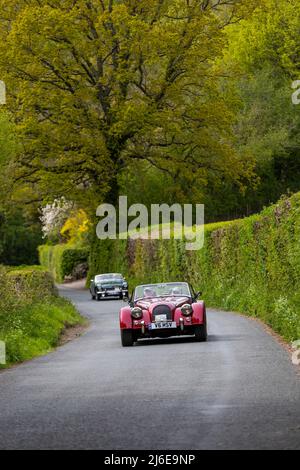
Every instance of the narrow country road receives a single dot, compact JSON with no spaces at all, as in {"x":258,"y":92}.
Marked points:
{"x":237,"y":391}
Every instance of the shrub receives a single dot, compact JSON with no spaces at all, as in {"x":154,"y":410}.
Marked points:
{"x":32,"y":316}
{"x":36,"y":283}
{"x":61,"y":260}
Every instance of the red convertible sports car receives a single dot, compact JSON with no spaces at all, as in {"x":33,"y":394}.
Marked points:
{"x":163,"y":310}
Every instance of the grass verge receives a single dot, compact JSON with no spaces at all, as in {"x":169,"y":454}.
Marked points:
{"x":32,"y":316}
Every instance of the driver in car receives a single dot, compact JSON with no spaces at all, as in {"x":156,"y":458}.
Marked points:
{"x":176,"y":291}
{"x":148,"y":292}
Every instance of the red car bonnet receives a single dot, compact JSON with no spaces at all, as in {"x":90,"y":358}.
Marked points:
{"x":171,"y":301}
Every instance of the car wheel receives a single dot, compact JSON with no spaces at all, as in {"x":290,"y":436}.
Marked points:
{"x":127,"y":338}
{"x":201,"y":333}
{"x":93,"y":297}
{"x":98,"y":297}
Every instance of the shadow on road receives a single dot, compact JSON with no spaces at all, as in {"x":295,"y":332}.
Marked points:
{"x":226,"y":338}
{"x":187,"y":339}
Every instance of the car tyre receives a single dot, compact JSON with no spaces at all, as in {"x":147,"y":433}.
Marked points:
{"x":201,"y":333}
{"x":98,"y":297}
{"x":127,"y":338}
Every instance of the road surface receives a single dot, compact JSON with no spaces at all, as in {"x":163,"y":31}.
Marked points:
{"x":237,"y":391}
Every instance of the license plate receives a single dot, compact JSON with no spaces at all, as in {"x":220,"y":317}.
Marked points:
{"x":163,"y":325}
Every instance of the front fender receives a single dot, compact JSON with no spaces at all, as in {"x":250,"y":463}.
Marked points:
{"x":198,"y":317}
{"x":199,"y":313}
{"x":127,"y":322}
{"x":125,"y":318}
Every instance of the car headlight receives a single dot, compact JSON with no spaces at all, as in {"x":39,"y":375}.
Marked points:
{"x":125,"y":285}
{"x":136,"y":313}
{"x":186,"y":310}
{"x":99,"y":286}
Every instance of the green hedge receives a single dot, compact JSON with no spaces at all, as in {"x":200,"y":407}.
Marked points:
{"x":251,"y":265}
{"x":35,"y":282}
{"x":61,"y":260}
{"x":32,"y":316}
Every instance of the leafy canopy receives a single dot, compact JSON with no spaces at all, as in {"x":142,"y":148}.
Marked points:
{"x":96,"y":84}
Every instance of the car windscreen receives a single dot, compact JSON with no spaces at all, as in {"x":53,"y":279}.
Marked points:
{"x":162,"y":290}
{"x":108,"y":277}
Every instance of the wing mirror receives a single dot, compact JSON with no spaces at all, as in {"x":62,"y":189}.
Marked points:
{"x":129,"y":300}
{"x":198,"y":294}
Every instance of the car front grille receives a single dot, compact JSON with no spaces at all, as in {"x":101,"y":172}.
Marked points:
{"x":162,"y":310}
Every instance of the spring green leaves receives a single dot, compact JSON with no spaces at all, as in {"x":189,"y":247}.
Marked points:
{"x":95,"y":85}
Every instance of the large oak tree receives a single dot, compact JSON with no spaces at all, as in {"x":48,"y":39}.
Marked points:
{"x":93,"y":84}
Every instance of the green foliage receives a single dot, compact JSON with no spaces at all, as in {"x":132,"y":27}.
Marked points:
{"x":25,"y":268}
{"x":20,"y":232}
{"x":270,"y":36}
{"x":31,"y":281}
{"x":250,"y":265}
{"x":20,"y":237}
{"x":99,"y":84}
{"x":163,"y":100}
{"x":260,"y":60}
{"x":263,"y":58}
{"x":32,"y":316}
{"x":8,"y":145}
{"x":61,"y":260}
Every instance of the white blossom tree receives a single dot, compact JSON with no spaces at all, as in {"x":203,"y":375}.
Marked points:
{"x":53,"y":216}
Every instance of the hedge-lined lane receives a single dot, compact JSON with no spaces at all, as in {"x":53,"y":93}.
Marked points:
{"x":239,"y":390}
{"x":251,"y":265}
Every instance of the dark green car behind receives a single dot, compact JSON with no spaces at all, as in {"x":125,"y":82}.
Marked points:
{"x":108,"y":285}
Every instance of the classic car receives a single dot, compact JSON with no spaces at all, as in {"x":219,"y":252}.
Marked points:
{"x":163,"y":310}
{"x":108,"y":285}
